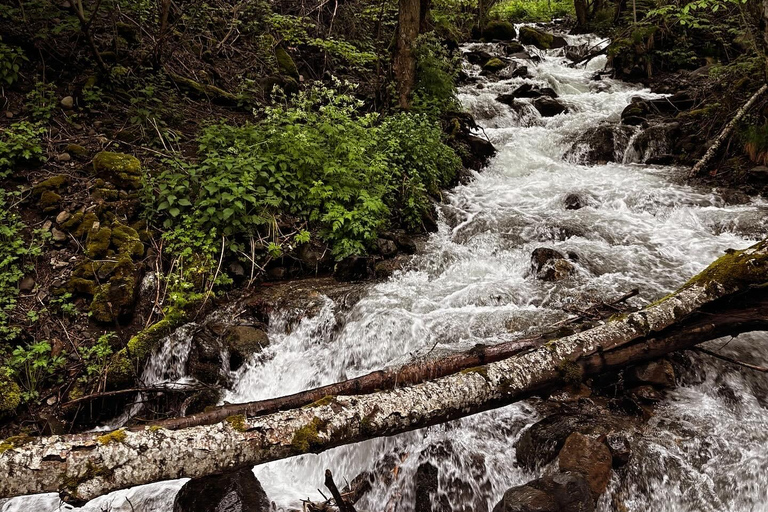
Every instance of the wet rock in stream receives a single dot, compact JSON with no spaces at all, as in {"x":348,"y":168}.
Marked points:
{"x":550,"y":265}
{"x":561,"y":492}
{"x":232,"y":492}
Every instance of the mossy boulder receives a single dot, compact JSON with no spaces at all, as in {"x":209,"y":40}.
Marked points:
{"x":126,"y":240}
{"x":97,"y":243}
{"x":495,"y":64}
{"x":285,"y":63}
{"x":53,"y":183}
{"x":539,"y":39}
{"x":77,"y":150}
{"x":499,"y":30}
{"x":113,"y":299}
{"x":49,"y":201}
{"x":121,"y":169}
{"x":10,"y":396}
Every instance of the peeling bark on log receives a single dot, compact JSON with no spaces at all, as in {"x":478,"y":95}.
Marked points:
{"x":728,"y":297}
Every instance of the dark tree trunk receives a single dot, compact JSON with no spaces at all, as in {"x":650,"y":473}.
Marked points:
{"x":409,"y":21}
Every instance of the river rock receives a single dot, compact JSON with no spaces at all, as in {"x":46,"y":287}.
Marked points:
{"x":573,"y":202}
{"x":620,"y":448}
{"x":533,"y":91}
{"x":499,"y":30}
{"x":588,"y":457}
{"x":599,"y":144}
{"x":514,"y":47}
{"x":478,"y":56}
{"x":232,"y":492}
{"x":68,"y":102}
{"x":659,"y":373}
{"x":494,"y":65}
{"x":534,"y":37}
{"x":426,"y":485}
{"x":550,"y":265}
{"x":758,"y":173}
{"x":243,"y":341}
{"x":540,"y":444}
{"x":558,"y":42}
{"x":386,"y":247}
{"x":549,"y":107}
{"x":561,"y":492}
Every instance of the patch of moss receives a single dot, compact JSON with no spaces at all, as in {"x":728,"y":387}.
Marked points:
{"x":481,"y":370}
{"x":52,"y":183}
{"x":121,"y":169}
{"x":326,"y":400}
{"x":10,"y":396}
{"x":537,"y":38}
{"x":494,"y":64}
{"x":117,"y":436}
{"x":81,"y":285}
{"x":73,"y":222}
{"x":155,"y":428}
{"x":97,"y":244}
{"x":237,"y":422}
{"x":571,"y":372}
{"x":307,"y":437}
{"x":77,"y":150}
{"x":49,"y":201}
{"x":126,"y":362}
{"x":14,"y":442}
{"x":126,"y":240}
{"x":285,"y":63}
{"x":87,"y":222}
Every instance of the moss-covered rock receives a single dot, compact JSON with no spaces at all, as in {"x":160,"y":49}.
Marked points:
{"x":537,"y":38}
{"x":10,"y":396}
{"x":53,"y":183}
{"x":97,"y":243}
{"x":72,"y":222}
{"x":121,"y":169}
{"x":285,"y":63}
{"x":105,"y":194}
{"x":81,"y":285}
{"x":500,"y":30}
{"x":77,"y":150}
{"x":49,"y":201}
{"x":86,"y":223}
{"x":494,"y":64}
{"x":126,"y":240}
{"x":113,"y":299}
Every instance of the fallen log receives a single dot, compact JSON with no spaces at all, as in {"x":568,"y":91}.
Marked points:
{"x":729,"y":297}
{"x":715,"y":147}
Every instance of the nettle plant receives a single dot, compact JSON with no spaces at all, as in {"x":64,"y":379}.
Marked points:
{"x":11,"y":59}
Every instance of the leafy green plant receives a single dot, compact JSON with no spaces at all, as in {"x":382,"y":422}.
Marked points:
{"x":11,"y":59}
{"x":96,"y":358}
{"x":532,"y":10}
{"x":41,"y":101}
{"x":437,"y":70}
{"x":13,"y":251}
{"x":33,"y":366}
{"x":20,"y":144}
{"x":63,"y":304}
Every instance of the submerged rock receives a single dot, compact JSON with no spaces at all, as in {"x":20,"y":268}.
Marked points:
{"x":599,"y":144}
{"x":232,"y":492}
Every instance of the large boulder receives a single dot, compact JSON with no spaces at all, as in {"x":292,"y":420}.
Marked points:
{"x":121,"y":169}
{"x":478,"y":57}
{"x":599,"y":144}
{"x":231,"y":492}
{"x":659,"y":373}
{"x":534,"y":37}
{"x":549,"y":107}
{"x":589,"y":458}
{"x":561,"y":492}
{"x":540,"y":444}
{"x":499,"y":30}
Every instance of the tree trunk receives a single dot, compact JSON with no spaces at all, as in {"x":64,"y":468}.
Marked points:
{"x":729,"y":297}
{"x":581,"y":8}
{"x":409,"y":20}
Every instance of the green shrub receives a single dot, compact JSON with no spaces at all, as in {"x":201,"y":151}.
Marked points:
{"x":532,"y":10}
{"x":10,"y":63}
{"x":41,"y":101}
{"x":317,"y":158}
{"x":33,"y":366}
{"x":437,"y":70}
{"x":20,"y":144}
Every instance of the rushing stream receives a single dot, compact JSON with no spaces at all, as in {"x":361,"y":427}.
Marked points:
{"x":707,"y":446}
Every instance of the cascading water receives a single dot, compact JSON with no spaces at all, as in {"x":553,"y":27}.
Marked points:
{"x":706,"y":447}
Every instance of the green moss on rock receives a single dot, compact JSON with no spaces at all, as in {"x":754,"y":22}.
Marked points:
{"x":49,"y":201}
{"x":285,"y":63}
{"x":86,"y":223}
{"x":53,"y":183}
{"x":10,"y":396}
{"x":501,"y":30}
{"x":126,"y":240}
{"x":121,"y":169}
{"x":97,"y":244}
{"x":494,"y":64}
{"x":237,"y":422}
{"x":537,"y":38}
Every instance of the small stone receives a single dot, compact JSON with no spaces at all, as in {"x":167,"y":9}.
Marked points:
{"x":27,"y":284}
{"x":58,"y":263}
{"x":58,"y":235}
{"x":47,"y":225}
{"x":62,"y":217}
{"x":52,"y":400}
{"x":68,"y":102}
{"x":63,"y":157}
{"x":386,"y":247}
{"x":9,"y":114}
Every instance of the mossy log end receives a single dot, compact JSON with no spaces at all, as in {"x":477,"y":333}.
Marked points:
{"x":729,"y":297}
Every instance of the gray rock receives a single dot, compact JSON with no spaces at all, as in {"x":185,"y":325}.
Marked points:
{"x":561,"y":492}
{"x":68,"y":102}
{"x":27,"y":284}
{"x":550,"y":265}
{"x":58,"y":235}
{"x":63,"y":217}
